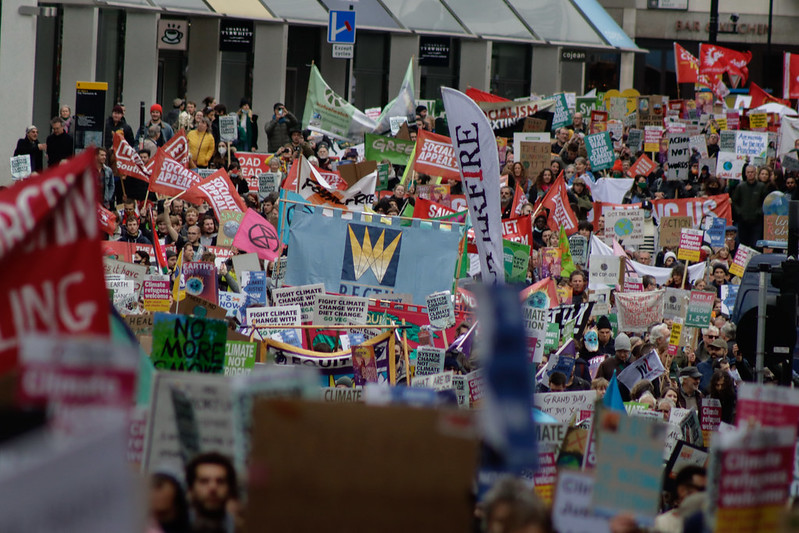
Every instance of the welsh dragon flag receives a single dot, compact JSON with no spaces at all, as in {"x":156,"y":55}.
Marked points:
{"x":328,"y":113}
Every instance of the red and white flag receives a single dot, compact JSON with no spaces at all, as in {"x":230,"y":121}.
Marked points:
{"x":316,"y":190}
{"x":556,"y":201}
{"x":220,"y":193}
{"x":178,"y":148}
{"x":760,"y":97}
{"x":51,"y":257}
{"x":128,"y":161}
{"x":685,"y":65}
{"x":714,"y":59}
{"x":790,"y":76}
{"x":106,"y":219}
{"x":435,"y":156}
{"x":170,"y":177}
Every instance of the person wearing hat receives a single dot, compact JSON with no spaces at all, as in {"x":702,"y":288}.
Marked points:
{"x":116,"y":122}
{"x":606,"y":344}
{"x":30,"y":145}
{"x":731,"y":239}
{"x":278,"y":129}
{"x":299,"y":146}
{"x":178,"y":104}
{"x":688,"y":394}
{"x":155,"y":120}
{"x":718,"y":352}
{"x":619,"y":361}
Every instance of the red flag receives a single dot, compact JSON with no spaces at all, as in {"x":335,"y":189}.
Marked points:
{"x":178,"y":148}
{"x":257,"y":235}
{"x":714,"y":59}
{"x":481,"y":96}
{"x":643,"y":166}
{"x":790,"y":76}
{"x":50,"y":257}
{"x":760,"y":97}
{"x":292,"y":181}
{"x":160,"y":255}
{"x":427,"y":209}
{"x":685,"y":65}
{"x":170,"y":177}
{"x":547,"y":286}
{"x":556,"y":200}
{"x":220,"y":193}
{"x":128,"y":161}
{"x":106,"y":219}
{"x":435,"y":156}
{"x":519,"y":199}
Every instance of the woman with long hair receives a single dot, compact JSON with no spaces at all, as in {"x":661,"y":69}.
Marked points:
{"x":722,"y":388}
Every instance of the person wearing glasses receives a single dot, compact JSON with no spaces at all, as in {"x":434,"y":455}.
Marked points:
{"x":709,"y":334}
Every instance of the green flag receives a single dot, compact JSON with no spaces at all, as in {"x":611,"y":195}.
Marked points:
{"x":566,"y":264}
{"x":328,"y":113}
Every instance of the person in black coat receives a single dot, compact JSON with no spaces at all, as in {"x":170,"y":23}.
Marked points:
{"x":30,"y":145}
{"x":59,"y":143}
{"x":114,"y":123}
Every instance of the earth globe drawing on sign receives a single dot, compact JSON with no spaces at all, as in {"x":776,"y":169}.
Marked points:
{"x":230,"y":228}
{"x":727,"y":165}
{"x":623,"y":227}
{"x":776,"y":203}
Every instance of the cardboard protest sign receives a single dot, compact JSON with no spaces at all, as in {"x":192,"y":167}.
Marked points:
{"x":690,"y":244}
{"x":229,"y":222}
{"x":625,"y":225}
{"x":435,"y":156}
{"x":628,"y":444}
{"x":21,"y":167}
{"x":638,"y":310}
{"x":516,"y":259}
{"x":228,"y":128}
{"x":429,"y":360}
{"x":741,"y":259}
{"x":261,"y":318}
{"x":257,"y":235}
{"x":679,"y":156}
{"x":563,"y":405}
{"x":648,"y":367}
{"x":190,"y":343}
{"x":775,"y":217}
{"x":269,"y":182}
{"x":698,"y":145}
{"x":643,"y":166}
{"x":534,"y":156}
{"x":572,"y":511}
{"x":675,"y":302}
{"x":444,"y":463}
{"x":600,"y":151}
{"x":751,"y":483}
{"x":635,"y":140}
{"x":303,"y":295}
{"x":340,"y":310}
{"x":730,"y":165}
{"x":700,"y":308}
{"x":751,"y":143}
{"x":605,"y":270}
{"x":578,"y":246}
{"x":670,"y":229}
{"x":211,"y":398}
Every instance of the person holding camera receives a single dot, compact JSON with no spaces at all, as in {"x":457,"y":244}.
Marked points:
{"x":298,"y":144}
{"x":279,"y":128}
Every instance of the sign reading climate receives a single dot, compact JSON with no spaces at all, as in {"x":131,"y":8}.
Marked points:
{"x":371,"y":257}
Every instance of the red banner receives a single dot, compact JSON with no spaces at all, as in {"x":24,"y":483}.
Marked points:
{"x":696,"y":208}
{"x":427,"y":209}
{"x":178,"y":148}
{"x":556,"y":202}
{"x":220,"y":193}
{"x":53,"y":281}
{"x":790,"y":76}
{"x":714,"y":59}
{"x":170,"y":177}
{"x":106,"y":219}
{"x":519,"y":229}
{"x":435,"y":156}
{"x":128,"y":162}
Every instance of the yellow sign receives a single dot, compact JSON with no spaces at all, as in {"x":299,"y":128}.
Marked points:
{"x":92,"y":85}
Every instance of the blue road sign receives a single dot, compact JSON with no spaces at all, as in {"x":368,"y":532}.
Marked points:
{"x":341,"y":27}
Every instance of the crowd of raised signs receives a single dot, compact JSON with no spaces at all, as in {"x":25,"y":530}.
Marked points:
{"x":492,"y":315}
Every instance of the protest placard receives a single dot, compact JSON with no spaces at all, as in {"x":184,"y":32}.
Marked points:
{"x":544,"y":478}
{"x":600,"y":150}
{"x":767,"y":405}
{"x":751,"y":143}
{"x":211,"y":396}
{"x":302,"y":295}
{"x":690,"y":244}
{"x":633,"y":283}
{"x":233,"y":303}
{"x":679,"y":156}
{"x":240,"y":357}
{"x":601,"y":299}
{"x":536,"y":320}
{"x":516,"y":259}
{"x":643,"y":166}
{"x":626,"y":225}
{"x":729,"y":293}
{"x":441,"y":310}
{"x":605,"y":270}
{"x":635,"y":140}
{"x":253,"y":284}
{"x":675,"y":302}
{"x":190,"y":343}
{"x":263,"y":317}
{"x":648,"y":367}
{"x":127,"y":270}
{"x":552,"y":339}
{"x":534,"y":156}
{"x":729,"y":165}
{"x":229,"y":221}
{"x":534,"y":124}
{"x":21,"y":167}
{"x":246,"y":263}
{"x":714,"y":230}
{"x":156,"y":294}
{"x":340,"y":310}
{"x":378,"y":147}
{"x":629,"y":466}
{"x":563,"y":405}
{"x":228,"y":128}
{"x":638,"y":310}
{"x":141,"y":324}
{"x":700,"y":307}
{"x":652,"y":135}
{"x":572,"y":511}
{"x":698,"y":145}
{"x":709,"y":418}
{"x":683,"y":455}
{"x":439,"y":381}
{"x":775,"y":217}
{"x":429,"y":360}
{"x":742,"y":257}
{"x":688,"y":420}
{"x":578,"y":246}
{"x":268,"y":182}
{"x":201,"y":280}
{"x":474,"y":382}
{"x":341,"y":395}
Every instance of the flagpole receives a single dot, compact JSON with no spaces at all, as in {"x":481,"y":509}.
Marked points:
{"x":405,"y":352}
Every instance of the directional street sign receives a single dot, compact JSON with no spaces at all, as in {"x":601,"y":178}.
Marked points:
{"x":341,"y":27}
